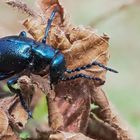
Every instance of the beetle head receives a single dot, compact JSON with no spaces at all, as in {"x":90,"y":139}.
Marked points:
{"x":57,"y":68}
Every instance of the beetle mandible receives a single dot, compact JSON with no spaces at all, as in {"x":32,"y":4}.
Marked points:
{"x":18,"y":53}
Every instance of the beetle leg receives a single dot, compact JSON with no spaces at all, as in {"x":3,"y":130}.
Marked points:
{"x":23,"y":34}
{"x":10,"y":84}
{"x":95,"y":63}
{"x":50,"y":20}
{"x":5,"y":75}
{"x":31,"y":64}
{"x":83,"y":76}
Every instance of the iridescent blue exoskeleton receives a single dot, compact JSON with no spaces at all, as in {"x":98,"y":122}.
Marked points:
{"x":18,"y":53}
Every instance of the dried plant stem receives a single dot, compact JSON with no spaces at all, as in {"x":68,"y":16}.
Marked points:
{"x":21,"y":6}
{"x":55,"y":117}
{"x":112,"y":12}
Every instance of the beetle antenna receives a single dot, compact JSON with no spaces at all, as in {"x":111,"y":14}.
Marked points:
{"x":82,"y":76}
{"x":50,"y":20}
{"x":95,"y":63}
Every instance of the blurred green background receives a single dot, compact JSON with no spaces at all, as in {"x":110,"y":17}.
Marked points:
{"x":123,"y":27}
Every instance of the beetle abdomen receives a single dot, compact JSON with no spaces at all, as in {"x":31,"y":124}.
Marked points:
{"x":14,"y":54}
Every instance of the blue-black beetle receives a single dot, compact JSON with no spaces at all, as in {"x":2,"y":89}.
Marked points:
{"x":18,"y":53}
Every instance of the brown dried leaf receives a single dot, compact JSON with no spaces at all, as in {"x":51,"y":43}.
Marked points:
{"x":3,"y":122}
{"x":98,"y":129}
{"x":10,"y":125}
{"x":47,"y":6}
{"x":42,"y":83}
{"x":6,"y":103}
{"x":74,"y":103}
{"x":61,"y":135}
{"x":13,"y":114}
{"x":106,"y":113}
{"x":54,"y":115}
{"x":80,"y":45}
{"x":27,"y":88}
{"x":68,"y":136}
{"x":79,"y":136}
{"x":71,"y":108}
{"x":18,"y":117}
{"x":10,"y":135}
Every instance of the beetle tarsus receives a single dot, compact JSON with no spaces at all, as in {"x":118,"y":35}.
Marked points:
{"x":83,"y":76}
{"x":10,"y":84}
{"x":23,"y":103}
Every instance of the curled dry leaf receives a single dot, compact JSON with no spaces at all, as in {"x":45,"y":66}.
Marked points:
{"x":18,"y":117}
{"x":8,"y":124}
{"x":80,"y":45}
{"x":48,"y":6}
{"x":27,"y":89}
{"x":10,"y":135}
{"x":58,"y":136}
{"x":107,"y":115}
{"x":79,"y":136}
{"x":70,"y":109}
{"x":3,"y":122}
{"x":68,"y":136}
{"x":54,"y":115}
{"x":13,"y":115}
{"x":61,"y":135}
{"x":74,"y":103}
{"x":64,"y":110}
{"x":100,"y":130}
